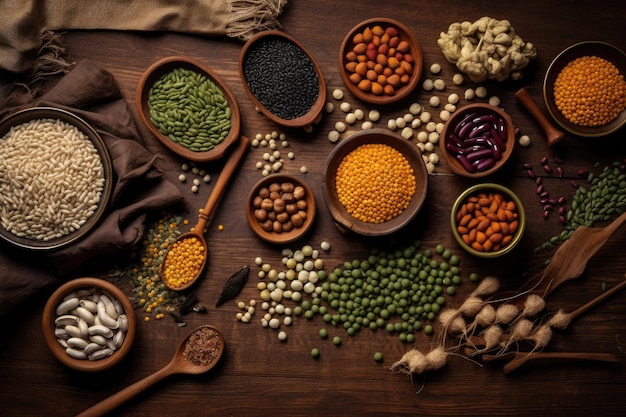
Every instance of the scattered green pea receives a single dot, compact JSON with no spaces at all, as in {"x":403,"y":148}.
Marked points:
{"x":474,"y":277}
{"x":378,"y":357}
{"x":337,"y":341}
{"x":428,"y":329}
{"x":315,"y":353}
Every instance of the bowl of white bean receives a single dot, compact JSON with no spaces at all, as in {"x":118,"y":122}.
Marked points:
{"x":56,"y":178}
{"x":89,"y":324}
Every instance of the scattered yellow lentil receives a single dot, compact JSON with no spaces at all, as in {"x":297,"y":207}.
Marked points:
{"x":183,"y":262}
{"x":375,"y":183}
{"x":590,"y":91}
{"x":220,"y":227}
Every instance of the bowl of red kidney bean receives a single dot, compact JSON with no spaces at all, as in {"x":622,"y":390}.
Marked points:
{"x":477,"y":140}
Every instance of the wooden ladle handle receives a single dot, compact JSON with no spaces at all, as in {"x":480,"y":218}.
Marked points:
{"x":552,"y":133}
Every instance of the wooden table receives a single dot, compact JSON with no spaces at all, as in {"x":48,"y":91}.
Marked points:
{"x":259,"y":375}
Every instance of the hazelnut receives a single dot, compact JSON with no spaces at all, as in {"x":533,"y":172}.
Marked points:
{"x":298,"y":192}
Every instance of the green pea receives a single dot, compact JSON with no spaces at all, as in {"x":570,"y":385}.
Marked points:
{"x":315,"y":353}
{"x":378,"y":357}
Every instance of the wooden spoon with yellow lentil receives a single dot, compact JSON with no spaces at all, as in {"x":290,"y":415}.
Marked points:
{"x":186,"y":258}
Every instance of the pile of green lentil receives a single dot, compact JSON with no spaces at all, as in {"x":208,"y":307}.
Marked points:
{"x":601,"y":200}
{"x":190,"y":108}
{"x":400,"y":290}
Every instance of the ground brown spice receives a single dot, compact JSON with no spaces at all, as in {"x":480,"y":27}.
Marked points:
{"x":203,"y":347}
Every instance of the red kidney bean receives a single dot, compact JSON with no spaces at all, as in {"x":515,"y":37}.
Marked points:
{"x":559,"y":171}
{"x":481,"y":154}
{"x":562,"y":200}
{"x":546,"y":214}
{"x":548,"y":207}
{"x":544,"y":160}
{"x":527,"y":166}
{"x":574,"y":184}
{"x":563,"y":219}
{"x":547,"y":169}
{"x":478,"y":130}
{"x":465,"y":120}
{"x":485,"y":164}
{"x":582,"y":172}
{"x":466,"y":164}
{"x":538,"y":181}
{"x":531,"y":173}
{"x":540,"y":189}
{"x":558,"y":160}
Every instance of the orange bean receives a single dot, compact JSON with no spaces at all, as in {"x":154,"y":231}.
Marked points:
{"x":480,"y":236}
{"x":465,"y":220}
{"x":477,"y":246}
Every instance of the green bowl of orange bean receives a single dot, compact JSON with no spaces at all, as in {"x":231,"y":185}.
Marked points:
{"x":585,"y":91}
{"x":488,"y":220}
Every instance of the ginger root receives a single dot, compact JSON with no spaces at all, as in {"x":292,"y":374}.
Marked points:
{"x":486,"y":49}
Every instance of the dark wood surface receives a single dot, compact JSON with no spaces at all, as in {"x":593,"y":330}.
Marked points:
{"x":259,"y":375}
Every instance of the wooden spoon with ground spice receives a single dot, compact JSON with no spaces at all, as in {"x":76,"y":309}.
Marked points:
{"x":197,"y":353}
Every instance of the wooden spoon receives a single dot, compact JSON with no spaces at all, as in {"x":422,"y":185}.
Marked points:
{"x":520,"y":358}
{"x":178,"y":365}
{"x":570,"y":260}
{"x":203,"y":217}
{"x":552,"y":133}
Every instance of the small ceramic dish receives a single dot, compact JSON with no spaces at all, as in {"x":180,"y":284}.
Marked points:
{"x":477,"y":140}
{"x":284,"y":221}
{"x":493,"y":241}
{"x":601,"y":50}
{"x":184,"y":144}
{"x":31,"y":241}
{"x":340,"y":214}
{"x":396,"y":51}
{"x":282,"y":79}
{"x":75,"y":304}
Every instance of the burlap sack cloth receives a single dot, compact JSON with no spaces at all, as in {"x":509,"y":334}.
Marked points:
{"x":27,"y":39}
{"x":91,"y":93}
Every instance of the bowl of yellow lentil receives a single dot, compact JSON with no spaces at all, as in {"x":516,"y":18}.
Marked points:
{"x":585,"y":91}
{"x":375,"y":183}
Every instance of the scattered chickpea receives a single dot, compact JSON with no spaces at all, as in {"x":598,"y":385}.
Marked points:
{"x":470,"y":94}
{"x":391,"y":124}
{"x":329,"y":107}
{"x":345,"y":107}
{"x":359,"y":114}
{"x":303,"y":170}
{"x":182,"y":178}
{"x":481,"y":92}
{"x":524,"y":140}
{"x":422,"y":137}
{"x":415,"y":109}
{"x":434,"y":101}
{"x":366,"y":125}
{"x":415,"y":123}
{"x":400,"y":122}
{"x":435,"y":68}
{"x":458,"y":79}
{"x":407,"y":133}
{"x":428,"y":84}
{"x":494,"y":101}
{"x":439,"y":84}
{"x":194,"y":188}
{"x":337,"y":94}
{"x":340,"y":127}
{"x":450,"y":107}
{"x":333,"y":136}
{"x":374,"y":115}
{"x":350,"y":118}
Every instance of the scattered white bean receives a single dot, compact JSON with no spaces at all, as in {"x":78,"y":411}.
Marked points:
{"x":415,"y":109}
{"x":366,"y":125}
{"x":359,"y":114}
{"x":325,"y":246}
{"x":415,"y":123}
{"x":431,"y":126}
{"x":407,"y":133}
{"x":433,"y":137}
{"x":391,"y":124}
{"x":425,"y":117}
{"x":337,"y":94}
{"x":494,"y":101}
{"x":329,"y":107}
{"x":444,"y":115}
{"x":333,"y":136}
{"x":428,"y":84}
{"x":450,"y":107}
{"x":458,"y":79}
{"x":400,"y":122}
{"x":182,"y":178}
{"x":340,"y":127}
{"x":303,"y":170}
{"x":439,"y":84}
{"x":469,"y":94}
{"x":481,"y":92}
{"x":434,"y":101}
{"x":345,"y":107}
{"x":422,"y":136}
{"x":350,"y":118}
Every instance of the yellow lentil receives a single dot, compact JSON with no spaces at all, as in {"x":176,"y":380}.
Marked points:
{"x":375,"y":183}
{"x":183,"y":262}
{"x":590,"y":91}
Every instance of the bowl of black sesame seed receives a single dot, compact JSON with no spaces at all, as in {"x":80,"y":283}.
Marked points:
{"x":282,"y":79}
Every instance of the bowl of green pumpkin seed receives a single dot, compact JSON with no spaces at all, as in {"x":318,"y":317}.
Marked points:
{"x":188,"y":108}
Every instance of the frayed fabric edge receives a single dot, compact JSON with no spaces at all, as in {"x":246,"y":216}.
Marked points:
{"x":249,"y":17}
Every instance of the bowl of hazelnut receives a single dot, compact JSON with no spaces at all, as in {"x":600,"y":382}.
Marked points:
{"x":280,"y":208}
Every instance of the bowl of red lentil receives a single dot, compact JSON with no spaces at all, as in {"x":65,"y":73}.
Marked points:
{"x":374,"y":183}
{"x":282,"y":79}
{"x":280,"y":208}
{"x":585,"y":91}
{"x":59,"y":179}
{"x":380,"y":61}
{"x":488,"y":220}
{"x":188,"y":108}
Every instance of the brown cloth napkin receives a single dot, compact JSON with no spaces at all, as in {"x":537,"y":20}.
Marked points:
{"x":25,"y":25}
{"x":91,"y":93}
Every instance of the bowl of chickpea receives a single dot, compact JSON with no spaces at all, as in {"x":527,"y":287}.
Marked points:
{"x":374,"y":182}
{"x":585,"y":91}
{"x":280,"y":208}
